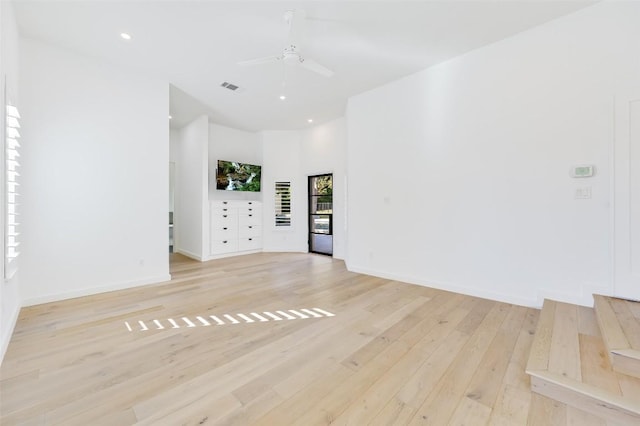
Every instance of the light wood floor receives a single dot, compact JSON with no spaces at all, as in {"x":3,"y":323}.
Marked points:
{"x":393,"y":354}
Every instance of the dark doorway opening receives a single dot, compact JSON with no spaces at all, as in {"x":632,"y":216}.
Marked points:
{"x":321,"y":214}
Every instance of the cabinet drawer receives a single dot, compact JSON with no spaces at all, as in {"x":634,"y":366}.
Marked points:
{"x":224,"y":233}
{"x":225,"y":221}
{"x":220,"y":210}
{"x":252,"y":243}
{"x":249,"y":220}
{"x":250,"y":210}
{"x":224,"y":246}
{"x":249,"y":231}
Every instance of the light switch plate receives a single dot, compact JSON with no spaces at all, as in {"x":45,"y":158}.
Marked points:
{"x":583,"y":193}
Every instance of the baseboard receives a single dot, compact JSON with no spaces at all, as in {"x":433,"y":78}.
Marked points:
{"x":583,"y":298}
{"x":187,"y":253}
{"x":95,"y":290}
{"x":235,"y":253}
{"x":4,"y":344}
{"x":304,"y":249}
{"x":469,"y":291}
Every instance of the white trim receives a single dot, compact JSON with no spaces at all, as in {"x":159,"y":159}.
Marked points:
{"x":95,"y":290}
{"x":583,"y":298}
{"x":235,"y":253}
{"x":286,"y":250}
{"x":499,"y":297}
{"x":189,"y":254}
{"x":625,"y":284}
{"x":612,"y":198}
{"x":4,"y":344}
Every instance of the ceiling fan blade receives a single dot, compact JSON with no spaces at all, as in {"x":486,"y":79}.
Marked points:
{"x":312,"y":65}
{"x":295,"y":18}
{"x":259,"y":61}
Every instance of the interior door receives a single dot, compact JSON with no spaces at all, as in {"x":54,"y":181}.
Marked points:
{"x":627,"y":198}
{"x":321,"y":214}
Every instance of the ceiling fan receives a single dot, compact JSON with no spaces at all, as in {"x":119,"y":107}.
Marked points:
{"x":291,"y":53}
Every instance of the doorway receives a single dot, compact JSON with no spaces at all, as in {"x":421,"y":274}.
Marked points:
{"x":172,"y":191}
{"x":321,"y":214}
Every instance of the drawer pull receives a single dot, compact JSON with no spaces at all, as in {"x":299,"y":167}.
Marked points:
{"x":224,"y":229}
{"x":250,"y":215}
{"x":251,"y":227}
{"x":224,"y":242}
{"x":224,"y":215}
{"x":224,"y":202}
{"x":250,"y":239}
{"x":224,"y":210}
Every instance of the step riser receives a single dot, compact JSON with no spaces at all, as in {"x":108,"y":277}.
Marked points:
{"x":625,"y":365}
{"x":624,"y":359}
{"x":584,"y":401}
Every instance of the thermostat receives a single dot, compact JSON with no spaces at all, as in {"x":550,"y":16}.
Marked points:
{"x":582,"y":171}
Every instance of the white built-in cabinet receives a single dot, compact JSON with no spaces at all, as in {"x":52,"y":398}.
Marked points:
{"x":236,"y":227}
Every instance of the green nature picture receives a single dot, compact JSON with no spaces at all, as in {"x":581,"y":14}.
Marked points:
{"x":233,"y":176}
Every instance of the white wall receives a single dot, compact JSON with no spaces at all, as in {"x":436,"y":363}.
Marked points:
{"x":226,"y":143}
{"x":324,"y":150}
{"x":9,"y":289}
{"x":459,"y":175}
{"x":95,"y":176}
{"x":191,"y":216}
{"x":285,"y":156}
{"x":281,"y":162}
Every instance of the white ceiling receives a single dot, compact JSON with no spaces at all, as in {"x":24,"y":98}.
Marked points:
{"x":195,"y":45}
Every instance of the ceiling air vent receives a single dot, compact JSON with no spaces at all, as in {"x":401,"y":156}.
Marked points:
{"x":229,"y":86}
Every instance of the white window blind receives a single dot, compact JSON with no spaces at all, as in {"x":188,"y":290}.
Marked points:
{"x":12,"y":155}
{"x":283,"y":204}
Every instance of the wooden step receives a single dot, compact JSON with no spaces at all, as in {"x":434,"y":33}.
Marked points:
{"x":619,"y":322}
{"x":568,"y":363}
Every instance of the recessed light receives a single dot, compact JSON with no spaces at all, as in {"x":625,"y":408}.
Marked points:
{"x":170,"y":117}
{"x":125,"y":36}
{"x":310,"y":120}
{"x":283,"y":97}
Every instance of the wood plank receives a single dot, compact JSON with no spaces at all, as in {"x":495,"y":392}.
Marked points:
{"x":587,"y":321}
{"x":626,"y":361}
{"x":511,"y":407}
{"x":630,"y":386}
{"x":628,"y":322}
{"x":587,"y":398}
{"x":74,"y":362}
{"x":564,"y":354}
{"x":487,"y":380}
{"x":596,"y":369}
{"x":375,"y":398}
{"x":634,"y":307}
{"x":516,"y":374}
{"x":546,"y":411}
{"x":442,"y":401}
{"x":470,"y":413}
{"x":402,"y":407}
{"x":539,"y":355}
{"x":612,"y":333}
{"x":576,"y":417}
{"x":203,"y":410}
